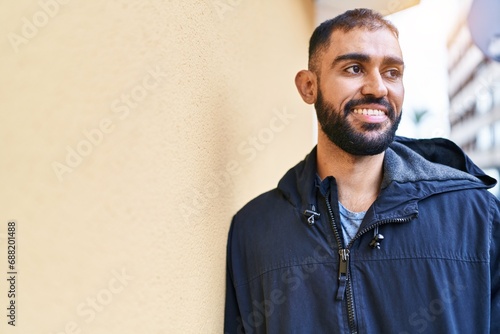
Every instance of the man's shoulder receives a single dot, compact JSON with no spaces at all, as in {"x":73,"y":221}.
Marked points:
{"x":266,"y":214}
{"x":292,"y":188}
{"x":266,"y":202}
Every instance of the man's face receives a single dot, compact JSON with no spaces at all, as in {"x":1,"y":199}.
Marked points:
{"x":360,"y":90}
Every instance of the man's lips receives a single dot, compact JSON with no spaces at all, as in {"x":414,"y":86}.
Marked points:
{"x":370,"y":110}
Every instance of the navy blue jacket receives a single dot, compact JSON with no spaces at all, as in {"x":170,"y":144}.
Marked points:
{"x":437,"y":269}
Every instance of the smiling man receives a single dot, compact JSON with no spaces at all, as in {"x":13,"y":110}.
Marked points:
{"x":371,"y":233}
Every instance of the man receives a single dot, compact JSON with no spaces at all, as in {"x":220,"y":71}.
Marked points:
{"x":370,"y":233}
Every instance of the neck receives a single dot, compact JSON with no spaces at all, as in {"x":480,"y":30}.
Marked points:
{"x":358,"y":177}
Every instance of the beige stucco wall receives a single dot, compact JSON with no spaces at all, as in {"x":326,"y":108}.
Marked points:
{"x":131,"y":132}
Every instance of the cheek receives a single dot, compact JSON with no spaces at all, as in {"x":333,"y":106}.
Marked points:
{"x":339,"y":91}
{"x":398,"y":94}
{"x":402,"y":96}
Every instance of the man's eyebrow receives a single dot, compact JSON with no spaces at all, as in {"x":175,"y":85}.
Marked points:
{"x":361,"y":57}
{"x":393,"y":60}
{"x":364,"y":58}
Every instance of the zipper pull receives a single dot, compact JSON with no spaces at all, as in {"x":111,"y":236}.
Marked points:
{"x":343,"y":272}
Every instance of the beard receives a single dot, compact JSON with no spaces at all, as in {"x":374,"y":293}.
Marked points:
{"x":373,"y":140}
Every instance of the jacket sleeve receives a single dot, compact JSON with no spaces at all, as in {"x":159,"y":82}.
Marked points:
{"x":232,"y":317}
{"x":495,"y":268}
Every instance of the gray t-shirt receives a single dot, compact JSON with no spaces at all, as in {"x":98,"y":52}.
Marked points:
{"x":350,"y":222}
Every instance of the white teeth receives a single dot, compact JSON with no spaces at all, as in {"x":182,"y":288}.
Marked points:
{"x":370,"y":112}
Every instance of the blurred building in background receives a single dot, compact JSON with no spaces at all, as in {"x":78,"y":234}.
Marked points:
{"x":474,"y":94}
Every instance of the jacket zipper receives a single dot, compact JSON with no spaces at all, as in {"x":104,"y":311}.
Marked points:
{"x":343,"y":276}
{"x":345,"y":287}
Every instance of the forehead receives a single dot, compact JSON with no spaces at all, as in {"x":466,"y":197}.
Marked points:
{"x":380,"y":43}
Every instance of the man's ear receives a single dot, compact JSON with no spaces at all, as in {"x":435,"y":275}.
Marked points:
{"x":306,"y":83}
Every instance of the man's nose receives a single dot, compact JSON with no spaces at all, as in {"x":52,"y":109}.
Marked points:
{"x":374,"y":85}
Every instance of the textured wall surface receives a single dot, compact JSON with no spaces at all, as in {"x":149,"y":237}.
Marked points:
{"x":131,"y":132}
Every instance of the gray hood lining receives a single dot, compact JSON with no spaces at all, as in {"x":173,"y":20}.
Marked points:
{"x":401,"y":164}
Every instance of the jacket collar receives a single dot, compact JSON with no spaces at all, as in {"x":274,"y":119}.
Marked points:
{"x":413,"y":170}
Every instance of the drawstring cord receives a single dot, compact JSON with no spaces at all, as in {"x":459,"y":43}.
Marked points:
{"x":311,"y":215}
{"x":377,"y":239}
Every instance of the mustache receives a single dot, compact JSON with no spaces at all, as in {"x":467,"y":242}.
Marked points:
{"x":370,"y":100}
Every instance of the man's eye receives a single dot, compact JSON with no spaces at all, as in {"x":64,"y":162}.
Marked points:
{"x":393,"y":73}
{"x":354,"y":69}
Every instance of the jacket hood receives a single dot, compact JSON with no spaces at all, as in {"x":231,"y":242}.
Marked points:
{"x":439,"y":159}
{"x":419,"y":167}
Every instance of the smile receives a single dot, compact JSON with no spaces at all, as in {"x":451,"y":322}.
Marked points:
{"x":369,"y":112}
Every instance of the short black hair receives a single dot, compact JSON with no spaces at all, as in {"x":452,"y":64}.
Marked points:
{"x":351,"y":19}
